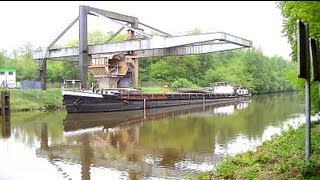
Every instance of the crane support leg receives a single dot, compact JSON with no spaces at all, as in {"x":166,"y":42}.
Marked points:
{"x":83,"y":46}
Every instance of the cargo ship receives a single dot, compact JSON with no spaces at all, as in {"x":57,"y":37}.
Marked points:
{"x":126,"y":99}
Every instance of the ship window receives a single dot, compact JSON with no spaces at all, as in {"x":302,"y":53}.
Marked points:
{"x":1,"y":73}
{"x":10,"y":73}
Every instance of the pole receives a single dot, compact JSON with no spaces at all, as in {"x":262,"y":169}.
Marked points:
{"x":144,"y":109}
{"x":83,"y":46}
{"x":308,"y":112}
{"x":307,"y":84}
{"x":203,"y":102}
{"x":304,"y":72}
{"x":43,"y":74}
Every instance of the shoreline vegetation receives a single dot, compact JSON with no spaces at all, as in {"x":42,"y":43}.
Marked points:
{"x":281,"y":157}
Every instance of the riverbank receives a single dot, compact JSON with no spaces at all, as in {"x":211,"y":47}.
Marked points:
{"x":34,"y":99}
{"x":282,"y":157}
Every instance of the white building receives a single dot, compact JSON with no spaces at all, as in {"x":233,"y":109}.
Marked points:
{"x":8,"y":77}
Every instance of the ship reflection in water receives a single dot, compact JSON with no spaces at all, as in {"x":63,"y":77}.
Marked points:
{"x":119,"y":142}
{"x":115,"y":120}
{"x":6,"y":129}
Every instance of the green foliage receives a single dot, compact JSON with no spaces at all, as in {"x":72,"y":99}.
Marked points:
{"x":248,"y":68}
{"x":226,"y":169}
{"x":98,"y":37}
{"x":183,"y":83}
{"x":307,"y":12}
{"x":160,"y":71}
{"x":57,"y":71}
{"x":22,"y":100}
{"x":22,"y":61}
{"x":281,"y":157}
{"x":309,"y":169}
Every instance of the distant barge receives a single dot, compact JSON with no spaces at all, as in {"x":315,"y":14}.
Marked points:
{"x":110,"y":100}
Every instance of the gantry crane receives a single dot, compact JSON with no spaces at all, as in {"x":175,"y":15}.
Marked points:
{"x":116,"y":60}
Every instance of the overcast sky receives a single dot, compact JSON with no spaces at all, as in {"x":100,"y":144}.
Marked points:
{"x":41,"y":22}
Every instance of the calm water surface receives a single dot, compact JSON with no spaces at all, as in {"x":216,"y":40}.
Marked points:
{"x":169,"y":143}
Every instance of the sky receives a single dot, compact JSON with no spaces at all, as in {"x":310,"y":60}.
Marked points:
{"x":41,"y":22}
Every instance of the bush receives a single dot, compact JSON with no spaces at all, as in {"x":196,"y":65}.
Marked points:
{"x":182,"y":83}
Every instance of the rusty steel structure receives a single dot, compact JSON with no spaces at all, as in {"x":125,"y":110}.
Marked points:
{"x":138,"y":44}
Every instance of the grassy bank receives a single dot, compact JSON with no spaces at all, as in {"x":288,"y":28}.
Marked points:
{"x":280,"y":158}
{"x":26,"y":100}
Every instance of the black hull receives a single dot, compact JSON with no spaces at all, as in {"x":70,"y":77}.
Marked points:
{"x":84,"y":104}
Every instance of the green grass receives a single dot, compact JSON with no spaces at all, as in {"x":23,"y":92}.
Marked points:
{"x":25,"y":100}
{"x":283,"y":157}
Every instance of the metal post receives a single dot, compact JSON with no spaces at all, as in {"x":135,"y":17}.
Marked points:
{"x":136,"y":73}
{"x":43,"y":74}
{"x":131,"y":34}
{"x":308,"y":103}
{"x":308,"y":112}
{"x":83,"y":46}
{"x":144,"y":109}
{"x":304,"y":72}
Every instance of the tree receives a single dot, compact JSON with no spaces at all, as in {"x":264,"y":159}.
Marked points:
{"x":98,"y":37}
{"x":306,"y":11}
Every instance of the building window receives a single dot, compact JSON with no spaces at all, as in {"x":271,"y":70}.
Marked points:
{"x":1,"y":73}
{"x":10,"y":73}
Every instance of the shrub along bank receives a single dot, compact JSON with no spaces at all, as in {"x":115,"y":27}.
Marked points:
{"x":282,"y":157}
{"x":26,"y":100}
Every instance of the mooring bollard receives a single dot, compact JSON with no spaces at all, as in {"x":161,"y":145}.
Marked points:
{"x":5,"y":106}
{"x":144,"y":109}
{"x":203,"y":102}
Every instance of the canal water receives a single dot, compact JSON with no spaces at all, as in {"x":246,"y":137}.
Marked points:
{"x":168,"y":143}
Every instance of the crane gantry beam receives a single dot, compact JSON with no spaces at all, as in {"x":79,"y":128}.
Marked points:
{"x":157,"y":46}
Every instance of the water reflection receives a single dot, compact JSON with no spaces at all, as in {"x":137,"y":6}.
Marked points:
{"x":44,"y":136}
{"x":115,"y":141}
{"x":6,"y":129}
{"x":166,"y":142}
{"x":86,"y":154}
{"x":113,"y":120}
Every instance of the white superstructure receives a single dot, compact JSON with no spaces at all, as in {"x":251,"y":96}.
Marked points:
{"x":223,"y":88}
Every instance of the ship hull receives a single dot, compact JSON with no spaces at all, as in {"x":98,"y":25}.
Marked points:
{"x":88,"y":103}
